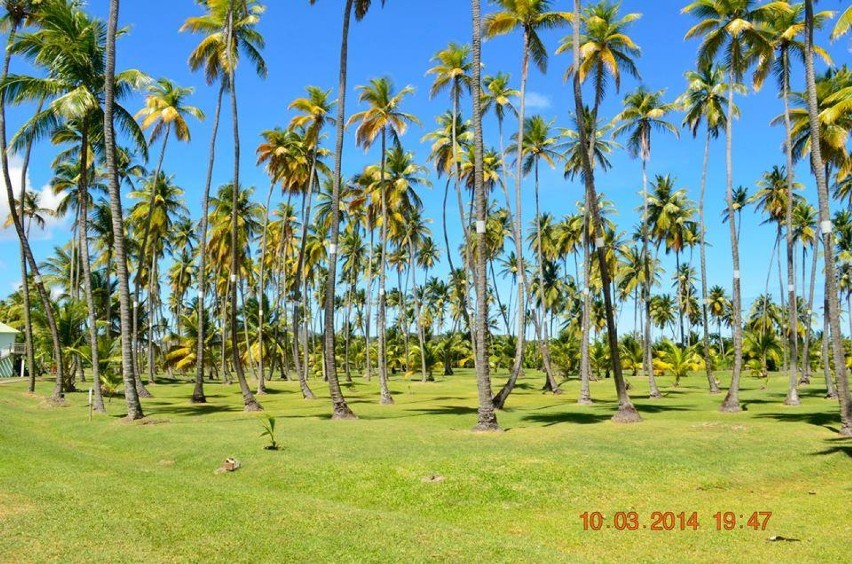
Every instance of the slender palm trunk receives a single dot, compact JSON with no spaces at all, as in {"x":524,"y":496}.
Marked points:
{"x":830,"y":389}
{"x":386,"y":397}
{"x":134,"y":407}
{"x":626,"y":412}
{"x":261,"y":293}
{"x":249,"y":400}
{"x":806,"y":354}
{"x":647,"y":364}
{"x":520,"y":341}
{"x":487,"y":419}
{"x":793,"y":314}
{"x":731,"y":402}
{"x":198,"y":391}
{"x":585,"y":316}
{"x":340,"y":409}
{"x":550,"y":383}
{"x":25,"y":287}
{"x":83,"y":232}
{"x":845,"y":398}
{"x":152,"y":285}
{"x":702,"y":226}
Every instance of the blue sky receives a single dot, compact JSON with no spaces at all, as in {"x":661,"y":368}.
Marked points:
{"x":398,"y":41}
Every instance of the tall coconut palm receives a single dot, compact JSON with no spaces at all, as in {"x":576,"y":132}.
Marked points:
{"x":341,"y":409}
{"x":704,"y":102}
{"x":735,"y":31}
{"x":787,"y":30}
{"x":825,"y":226}
{"x":645,"y":112}
{"x":382,"y":118}
{"x":530,"y":17}
{"x":134,"y":407}
{"x":626,"y":412}
{"x":230,"y":30}
{"x":487,"y":419}
{"x":165,"y":111}
{"x":843,"y":23}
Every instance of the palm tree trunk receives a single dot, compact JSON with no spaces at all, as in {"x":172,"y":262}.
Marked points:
{"x":702,"y":226}
{"x":550,"y":383}
{"x":198,"y":391}
{"x":487,"y":419}
{"x":830,"y":389}
{"x":152,"y":284}
{"x":368,"y":297}
{"x":134,"y":407}
{"x":340,"y":409}
{"x":386,"y":397}
{"x":806,"y":357}
{"x":731,"y":402}
{"x":792,"y":307}
{"x":83,"y":232}
{"x":261,"y":388}
{"x":825,"y":227}
{"x":647,"y":364}
{"x":249,"y":400}
{"x":626,"y":412}
{"x":25,"y":287}
{"x":520,"y":341}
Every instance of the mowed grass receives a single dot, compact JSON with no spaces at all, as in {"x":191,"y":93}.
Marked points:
{"x":411,"y":482}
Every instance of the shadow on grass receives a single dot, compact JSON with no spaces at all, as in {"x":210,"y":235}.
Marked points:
{"x":645,"y":406}
{"x":818,"y":419}
{"x":840,"y":445}
{"x":196,"y":409}
{"x":445,"y":410}
{"x":581,"y":418}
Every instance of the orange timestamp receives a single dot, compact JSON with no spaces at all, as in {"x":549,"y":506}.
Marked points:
{"x":673,"y":521}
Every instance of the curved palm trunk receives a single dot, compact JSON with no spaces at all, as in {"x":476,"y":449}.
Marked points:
{"x":198,"y":391}
{"x":83,"y":233}
{"x":300,"y":282}
{"x":626,"y":412}
{"x":806,"y":355}
{"x":648,"y":366}
{"x":134,"y":407}
{"x":386,"y":397}
{"x":731,"y":402}
{"x":520,"y":342}
{"x":249,"y":400}
{"x":827,"y":238}
{"x":705,"y":323}
{"x":28,"y":326}
{"x":340,"y":409}
{"x":368,"y":296}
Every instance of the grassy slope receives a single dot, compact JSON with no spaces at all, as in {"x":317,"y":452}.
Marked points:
{"x":355,"y":491}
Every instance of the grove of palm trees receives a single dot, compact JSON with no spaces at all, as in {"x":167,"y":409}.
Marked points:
{"x":486,"y":273}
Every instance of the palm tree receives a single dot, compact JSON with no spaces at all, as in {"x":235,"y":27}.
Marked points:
{"x":531,"y":17}
{"x":645,"y":112}
{"x":229,"y":30}
{"x":626,"y":412}
{"x":539,"y":145}
{"x":786,"y":29}
{"x":165,"y":111}
{"x":844,"y":22}
{"x":487,"y":419}
{"x":341,"y":409}
{"x":704,"y":102}
{"x":383,"y":117}
{"x":733,"y":30}
{"x":825,"y":226}
{"x":134,"y":407}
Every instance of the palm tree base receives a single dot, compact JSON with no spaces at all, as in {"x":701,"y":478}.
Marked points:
{"x":252,"y":405}
{"x":655,"y":395}
{"x":57,"y":401}
{"x":343,"y":413}
{"x":487,"y":423}
{"x":845,"y":431}
{"x":792,"y":399}
{"x":386,"y":400}
{"x":831,"y":396}
{"x":143,"y":392}
{"x":730,"y":406}
{"x":585,"y":401}
{"x":804,"y":380}
{"x":626,"y":414}
{"x":198,"y":399}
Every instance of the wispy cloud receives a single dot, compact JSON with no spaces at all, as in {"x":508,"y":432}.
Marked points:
{"x":537,"y":101}
{"x":46,"y":198}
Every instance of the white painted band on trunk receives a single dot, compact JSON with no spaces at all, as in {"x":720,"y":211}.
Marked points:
{"x":736,"y":275}
{"x":600,"y":243}
{"x":707,"y":301}
{"x":791,"y":287}
{"x":135,"y":304}
{"x":332,"y":249}
{"x":200,"y":295}
{"x":825,"y":227}
{"x":480,"y":226}
{"x":233,"y":277}
{"x":381,"y":291}
{"x":37,"y":279}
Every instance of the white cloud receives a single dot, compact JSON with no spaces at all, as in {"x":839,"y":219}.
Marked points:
{"x":47,"y":199}
{"x":536,"y":101}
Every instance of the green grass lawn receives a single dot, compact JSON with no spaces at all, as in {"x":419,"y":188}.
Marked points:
{"x":411,"y":482}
